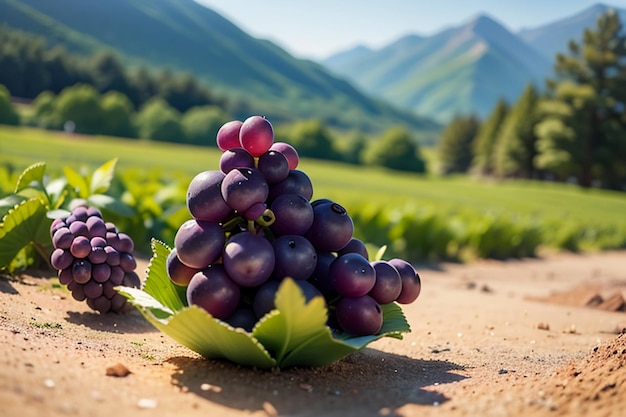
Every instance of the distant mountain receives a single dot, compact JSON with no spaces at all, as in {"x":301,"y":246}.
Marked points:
{"x":464,"y":69}
{"x":186,"y":36}
{"x":554,"y":37}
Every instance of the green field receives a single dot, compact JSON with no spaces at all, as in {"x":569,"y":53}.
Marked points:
{"x":419,"y":216}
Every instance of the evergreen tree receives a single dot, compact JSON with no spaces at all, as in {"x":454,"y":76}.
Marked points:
{"x":582,"y":135}
{"x":516,"y":146}
{"x":456,"y":143}
{"x":396,"y":149}
{"x":485,"y":141}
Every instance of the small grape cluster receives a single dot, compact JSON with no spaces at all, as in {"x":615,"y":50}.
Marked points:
{"x":92,"y":257}
{"x":253,"y":224}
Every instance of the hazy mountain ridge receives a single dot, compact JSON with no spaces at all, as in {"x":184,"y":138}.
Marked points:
{"x":462,"y":69}
{"x":186,"y":36}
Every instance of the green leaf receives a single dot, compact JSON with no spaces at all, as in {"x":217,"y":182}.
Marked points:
{"x":10,"y":201}
{"x":33,"y":173}
{"x":102,"y":176}
{"x":19,"y":228}
{"x":77,"y":182}
{"x":380,"y":253}
{"x":158,"y":283}
{"x":112,"y":204}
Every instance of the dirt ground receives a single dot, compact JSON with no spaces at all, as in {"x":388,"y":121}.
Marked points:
{"x":537,"y":337}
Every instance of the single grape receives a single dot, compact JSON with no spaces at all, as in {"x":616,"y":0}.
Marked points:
{"x":411,"y":282}
{"x":331,"y":229}
{"x":255,"y":211}
{"x":228,"y":135}
{"x":199,"y":243}
{"x":111,"y":227}
{"x":80,"y":247}
{"x":97,"y":255}
{"x":100,"y":304}
{"x":355,"y":246}
{"x":125,"y":244}
{"x":97,"y":242}
{"x":79,"y":228}
{"x":96,"y":227}
{"x":294,"y":215}
{"x":57,"y":224}
{"x":274,"y":166}
{"x":248,"y":259}
{"x":319,"y":201}
{"x":212,"y":290}
{"x":81,"y":271}
{"x":131,"y":279}
{"x":352,"y":275}
{"x":65,"y":276}
{"x":113,"y":255}
{"x":127,"y":262}
{"x":236,"y":158}
{"x":93,"y":212}
{"x":288,"y":151}
{"x":263,"y":301}
{"x":62,"y":238}
{"x":119,"y":304}
{"x":101,"y":272}
{"x":360,"y":316}
{"x":243,"y":187}
{"x":204,"y":197}
{"x":295,"y":257}
{"x":93,"y":289}
{"x":297,"y":182}
{"x":113,"y":240}
{"x":243,"y":318}
{"x":321,"y":278}
{"x":179,"y":273}
{"x":80,"y":213}
{"x":388,"y":283}
{"x":108,"y":289}
{"x":61,"y":258}
{"x":117,"y":275}
{"x":256,"y":135}
{"x":77,"y":291}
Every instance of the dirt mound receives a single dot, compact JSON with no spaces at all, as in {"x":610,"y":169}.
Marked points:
{"x":603,"y":297}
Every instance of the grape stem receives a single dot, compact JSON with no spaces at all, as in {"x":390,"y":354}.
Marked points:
{"x":229,"y":225}
{"x":267,"y":218}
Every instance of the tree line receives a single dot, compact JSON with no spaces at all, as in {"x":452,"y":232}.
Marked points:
{"x":574,"y":130}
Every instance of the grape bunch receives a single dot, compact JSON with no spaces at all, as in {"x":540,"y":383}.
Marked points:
{"x":92,"y":257}
{"x":254,"y":223}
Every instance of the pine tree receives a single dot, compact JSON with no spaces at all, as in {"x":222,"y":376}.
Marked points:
{"x":456,"y":143}
{"x":516,"y":146}
{"x":485,"y":140}
{"x":582,"y":135}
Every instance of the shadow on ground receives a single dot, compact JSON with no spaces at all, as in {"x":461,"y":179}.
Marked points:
{"x":367,"y":382}
{"x":130,"y":322}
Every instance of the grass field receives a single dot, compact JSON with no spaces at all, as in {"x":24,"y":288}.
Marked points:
{"x":549,"y":205}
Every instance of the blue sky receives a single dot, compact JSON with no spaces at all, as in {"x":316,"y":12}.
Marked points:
{"x":316,"y":29}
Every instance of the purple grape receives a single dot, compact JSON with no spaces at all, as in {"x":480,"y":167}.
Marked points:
{"x":319,"y":201}
{"x":321,"y":278}
{"x":274,"y":166}
{"x":179,"y":273}
{"x":97,"y":255}
{"x":228,"y":135}
{"x":355,"y":246}
{"x":100,"y":304}
{"x":113,"y":240}
{"x":235,"y":158}
{"x":96,"y":227}
{"x":243,"y":318}
{"x":297,"y":182}
{"x":62,"y":238}
{"x":119,"y":304}
{"x":199,"y":243}
{"x":108,"y":289}
{"x":101,"y":272}
{"x":352,"y":275}
{"x":131,"y":279}
{"x":117,"y":275}
{"x":127,"y":262}
{"x":80,"y":214}
{"x":113,"y":255}
{"x":81,"y":271}
{"x":411,"y":282}
{"x":57,"y":224}
{"x":61,"y":259}
{"x":125,"y":244}
{"x":288,"y":151}
{"x":256,"y":135}
{"x":93,"y":289}
{"x":212,"y":290}
{"x":98,"y":242}
{"x":111,"y":227}
{"x":204,"y":197}
{"x":263,"y":301}
{"x":80,"y":247}
{"x":331,"y":229}
{"x":65,"y":276}
{"x":388,"y":283}
{"x":248,"y":259}
{"x":294,"y":215}
{"x":93,"y":212}
{"x":79,"y":228}
{"x":360,"y":316}
{"x":255,"y":211}
{"x":77,"y":291}
{"x":295,"y":257}
{"x":243,"y":187}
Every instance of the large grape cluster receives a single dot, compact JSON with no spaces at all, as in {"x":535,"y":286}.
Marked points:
{"x":92,"y":257}
{"x":254,"y":223}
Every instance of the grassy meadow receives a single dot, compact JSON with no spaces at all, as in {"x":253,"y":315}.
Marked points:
{"x":419,"y":217}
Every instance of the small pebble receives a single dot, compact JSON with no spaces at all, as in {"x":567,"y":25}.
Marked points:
{"x":49,"y":383}
{"x":117,"y":370}
{"x":146,"y":403}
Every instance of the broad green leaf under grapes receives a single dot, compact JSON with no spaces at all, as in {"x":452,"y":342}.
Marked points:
{"x":294,"y":334}
{"x":18,"y":229}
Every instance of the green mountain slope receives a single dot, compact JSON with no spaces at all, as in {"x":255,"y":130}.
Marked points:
{"x":186,"y":36}
{"x":461,"y":70}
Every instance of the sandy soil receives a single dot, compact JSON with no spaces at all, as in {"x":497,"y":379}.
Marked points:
{"x":491,"y":338}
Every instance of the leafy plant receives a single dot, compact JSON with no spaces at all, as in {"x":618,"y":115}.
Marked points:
{"x":28,"y":211}
{"x":294,"y":334}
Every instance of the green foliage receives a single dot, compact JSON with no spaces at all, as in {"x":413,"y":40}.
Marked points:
{"x":312,"y":140}
{"x":8,"y":115}
{"x":117,"y":115}
{"x":294,"y":334}
{"x":201,"y":124}
{"x":456,"y":143}
{"x":157,"y":120}
{"x":485,"y":141}
{"x":80,"y":104}
{"x":397,"y":150}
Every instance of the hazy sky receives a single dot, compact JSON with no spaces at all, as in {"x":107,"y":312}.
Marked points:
{"x":316,"y":29}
